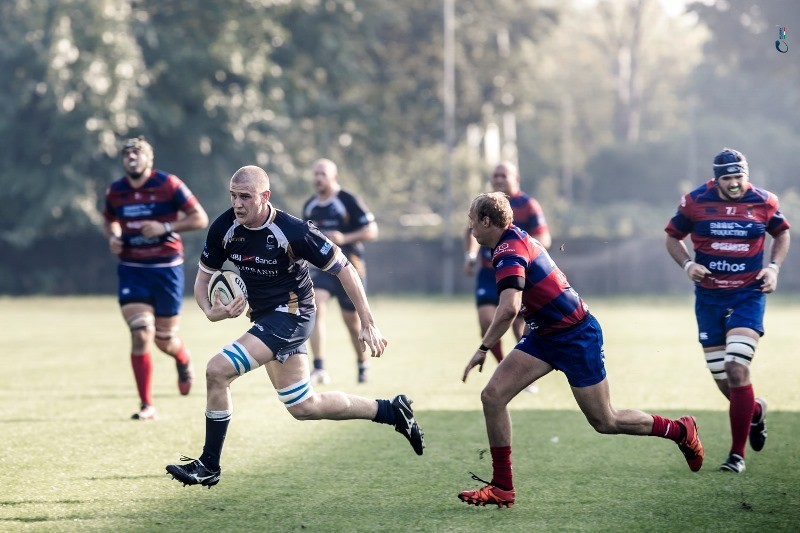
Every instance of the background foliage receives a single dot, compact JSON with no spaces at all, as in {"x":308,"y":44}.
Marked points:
{"x":610,"y":107}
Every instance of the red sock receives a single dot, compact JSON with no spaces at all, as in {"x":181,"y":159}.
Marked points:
{"x":497,"y":351}
{"x":667,"y":429}
{"x":183,"y":356}
{"x":143,"y":371}
{"x":501,"y":467}
{"x":741,"y":413}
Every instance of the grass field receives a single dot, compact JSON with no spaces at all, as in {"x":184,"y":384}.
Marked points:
{"x":72,"y":460}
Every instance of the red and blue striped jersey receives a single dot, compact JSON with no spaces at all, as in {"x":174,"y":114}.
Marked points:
{"x":528,"y":216}
{"x":728,"y":236}
{"x":549,"y":303}
{"x":160,"y":198}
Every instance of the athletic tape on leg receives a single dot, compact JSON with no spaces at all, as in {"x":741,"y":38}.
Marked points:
{"x":296,"y":393}
{"x":219,"y":416}
{"x":715,"y":361}
{"x":240,"y":358}
{"x":740,"y":349}
{"x":141,"y":321}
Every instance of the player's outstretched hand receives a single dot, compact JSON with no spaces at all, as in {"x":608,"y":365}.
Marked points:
{"x":370,"y":337}
{"x":477,"y":360}
{"x":220,"y":311}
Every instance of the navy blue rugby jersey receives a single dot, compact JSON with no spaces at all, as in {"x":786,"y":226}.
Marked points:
{"x":272,"y":259}
{"x":344,"y":212}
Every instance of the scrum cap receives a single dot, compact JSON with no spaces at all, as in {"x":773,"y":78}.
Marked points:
{"x":729,"y":162}
{"x":138,"y":143}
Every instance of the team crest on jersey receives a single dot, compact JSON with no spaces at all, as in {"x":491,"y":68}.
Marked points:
{"x":749,"y":212}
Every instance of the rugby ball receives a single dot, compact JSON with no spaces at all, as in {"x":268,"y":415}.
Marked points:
{"x":228,"y":284}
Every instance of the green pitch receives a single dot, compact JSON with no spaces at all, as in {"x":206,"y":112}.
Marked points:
{"x":72,"y":460}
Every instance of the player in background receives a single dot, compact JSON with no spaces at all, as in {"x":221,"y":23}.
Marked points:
{"x":145,"y":212}
{"x":348,"y":223}
{"x":728,"y":220}
{"x":529,"y":217}
{"x":562,"y":335}
{"x":272,"y":251}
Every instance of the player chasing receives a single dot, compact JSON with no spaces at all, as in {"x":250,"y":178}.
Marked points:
{"x":145,"y":211}
{"x":728,"y":219}
{"x":272,"y":250}
{"x":529,"y":217}
{"x":563,"y":336}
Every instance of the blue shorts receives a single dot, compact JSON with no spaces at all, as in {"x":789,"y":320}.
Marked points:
{"x":486,"y":288}
{"x":719,"y":311}
{"x":331,"y":283}
{"x":578,"y":352}
{"x":283,"y":333}
{"x":160,"y":287}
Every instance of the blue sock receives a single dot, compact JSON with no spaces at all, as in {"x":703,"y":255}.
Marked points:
{"x":385,"y":412}
{"x":318,"y":364}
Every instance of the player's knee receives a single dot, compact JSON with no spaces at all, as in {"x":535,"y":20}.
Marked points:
{"x":300,"y":400}
{"x":142,"y":326}
{"x":740,"y":349}
{"x":164,"y":337}
{"x":738,"y":374}
{"x":604,"y":424}
{"x":715,"y":362}
{"x":219,"y":372}
{"x":490,"y":397}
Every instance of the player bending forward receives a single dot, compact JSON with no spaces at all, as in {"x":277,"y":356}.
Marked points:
{"x":271,"y":250}
{"x":563,"y":336}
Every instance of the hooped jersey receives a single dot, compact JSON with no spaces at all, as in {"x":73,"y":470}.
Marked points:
{"x":549,"y":303}
{"x":528,"y":216}
{"x":160,"y":198}
{"x":344,"y":212}
{"x":272,"y":260}
{"x":728,"y":236}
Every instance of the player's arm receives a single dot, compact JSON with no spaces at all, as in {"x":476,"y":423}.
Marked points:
{"x":504,"y":315}
{"x":778,"y":252}
{"x":544,"y":237}
{"x":680,"y":254}
{"x":363,"y":234}
{"x":215,"y":311}
{"x":471,"y":248}
{"x":194,"y":218}
{"x":370,"y":335}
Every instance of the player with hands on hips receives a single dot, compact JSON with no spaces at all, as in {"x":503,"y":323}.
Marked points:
{"x":272,"y":251}
{"x":728,"y":220}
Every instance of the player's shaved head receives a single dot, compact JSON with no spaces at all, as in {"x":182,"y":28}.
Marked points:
{"x":329,"y":166}
{"x":507,"y":167}
{"x":253,"y":176}
{"x":505,"y":178}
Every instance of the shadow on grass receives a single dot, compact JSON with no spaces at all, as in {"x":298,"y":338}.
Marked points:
{"x":357,"y":476}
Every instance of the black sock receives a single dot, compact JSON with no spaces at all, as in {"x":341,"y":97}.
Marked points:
{"x":385,"y":413}
{"x":318,"y":364}
{"x":215,"y":437}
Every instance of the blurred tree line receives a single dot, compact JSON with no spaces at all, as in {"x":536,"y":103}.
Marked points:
{"x":612,"y":108}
